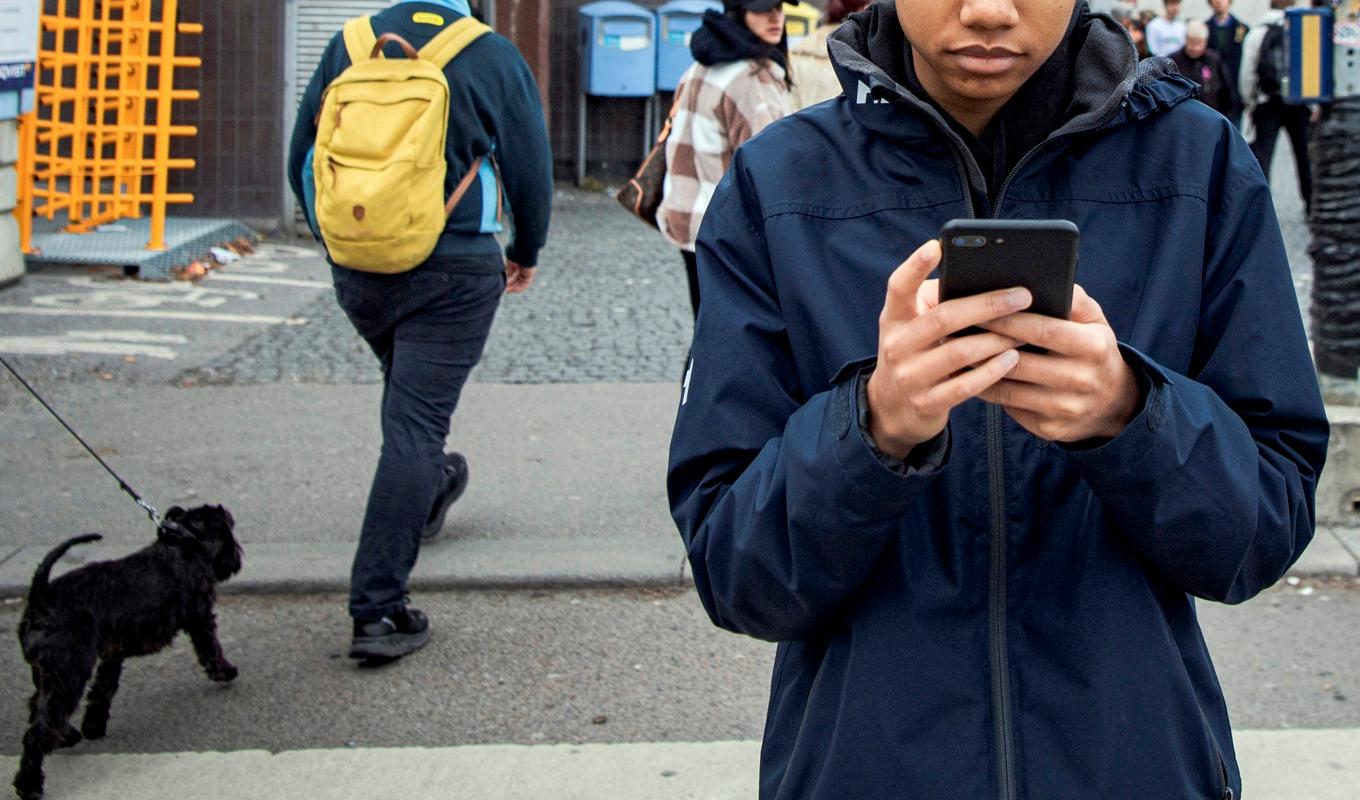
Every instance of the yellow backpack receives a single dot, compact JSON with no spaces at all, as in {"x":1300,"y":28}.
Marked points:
{"x":379,"y":161}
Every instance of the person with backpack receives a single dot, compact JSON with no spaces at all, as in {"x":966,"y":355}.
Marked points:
{"x":1261,"y":86}
{"x":981,"y":551}
{"x":417,"y":128}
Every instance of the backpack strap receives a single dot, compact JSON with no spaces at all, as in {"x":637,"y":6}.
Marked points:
{"x":443,"y":48}
{"x":359,"y":39}
{"x":448,"y":43}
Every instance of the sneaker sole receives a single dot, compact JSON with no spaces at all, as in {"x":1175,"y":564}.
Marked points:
{"x":393,"y":645}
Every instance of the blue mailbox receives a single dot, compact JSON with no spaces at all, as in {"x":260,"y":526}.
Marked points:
{"x":676,"y":22}
{"x":618,"y":50}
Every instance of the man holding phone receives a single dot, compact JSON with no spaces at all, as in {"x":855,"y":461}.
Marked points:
{"x":980,"y":551}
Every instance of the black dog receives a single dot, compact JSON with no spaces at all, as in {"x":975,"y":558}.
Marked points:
{"x":112,"y":610}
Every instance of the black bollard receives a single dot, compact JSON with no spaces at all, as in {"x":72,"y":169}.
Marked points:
{"x":1335,"y":248}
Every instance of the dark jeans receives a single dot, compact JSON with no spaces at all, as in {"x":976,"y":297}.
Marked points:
{"x":1269,"y":117}
{"x":692,"y":274}
{"x":427,"y":327}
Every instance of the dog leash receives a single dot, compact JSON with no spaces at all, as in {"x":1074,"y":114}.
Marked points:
{"x":122,"y":484}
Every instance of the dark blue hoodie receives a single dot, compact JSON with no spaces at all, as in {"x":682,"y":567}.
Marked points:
{"x":494,"y":108}
{"x":1014,"y":619}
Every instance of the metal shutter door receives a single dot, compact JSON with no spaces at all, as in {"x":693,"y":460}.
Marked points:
{"x":316,"y":22}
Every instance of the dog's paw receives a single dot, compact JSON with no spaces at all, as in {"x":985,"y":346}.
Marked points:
{"x":224,"y":673}
{"x":29,"y":786}
{"x":70,"y":738}
{"x":93,"y":730}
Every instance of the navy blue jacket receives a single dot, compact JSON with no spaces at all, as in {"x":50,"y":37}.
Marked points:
{"x":1016,"y":620}
{"x":493,"y":106}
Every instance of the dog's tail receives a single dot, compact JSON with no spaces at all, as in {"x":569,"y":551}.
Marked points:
{"x":40,"y":576}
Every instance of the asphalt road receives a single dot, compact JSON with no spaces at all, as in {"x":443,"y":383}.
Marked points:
{"x":538,"y":668}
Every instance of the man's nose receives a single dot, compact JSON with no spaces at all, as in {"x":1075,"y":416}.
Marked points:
{"x":989,"y":14}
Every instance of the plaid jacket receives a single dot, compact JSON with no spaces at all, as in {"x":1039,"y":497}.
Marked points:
{"x":717,"y":109}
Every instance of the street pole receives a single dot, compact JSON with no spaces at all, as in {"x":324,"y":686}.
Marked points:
{"x":1335,"y":247}
{"x":1335,"y":219}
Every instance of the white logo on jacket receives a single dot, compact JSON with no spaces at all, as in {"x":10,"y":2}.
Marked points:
{"x":865,"y":95}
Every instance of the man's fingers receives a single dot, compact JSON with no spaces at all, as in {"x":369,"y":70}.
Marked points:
{"x":906,"y":280}
{"x":950,"y":357}
{"x":1061,"y":336}
{"x":1084,"y":307}
{"x":952,"y":316}
{"x":973,"y":382}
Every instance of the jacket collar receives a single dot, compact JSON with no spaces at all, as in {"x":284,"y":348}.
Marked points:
{"x":1106,"y":76}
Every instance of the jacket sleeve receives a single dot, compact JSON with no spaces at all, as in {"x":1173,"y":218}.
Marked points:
{"x":783,"y":508}
{"x":1213,"y":482}
{"x":512,"y":111}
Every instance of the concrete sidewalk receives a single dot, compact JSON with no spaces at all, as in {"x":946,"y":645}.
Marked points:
{"x":1277,"y":764}
{"x":568,"y":482}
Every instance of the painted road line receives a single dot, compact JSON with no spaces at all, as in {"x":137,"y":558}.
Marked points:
{"x":127,"y":343}
{"x":191,"y":316}
{"x":1276,"y":764}
{"x":300,"y":282}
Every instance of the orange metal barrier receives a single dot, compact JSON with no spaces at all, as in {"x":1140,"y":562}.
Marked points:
{"x":97,"y":145}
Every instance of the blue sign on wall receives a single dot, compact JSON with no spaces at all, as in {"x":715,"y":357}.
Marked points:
{"x":16,"y":77}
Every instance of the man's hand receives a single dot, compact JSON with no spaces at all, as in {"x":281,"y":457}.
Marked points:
{"x":1080,"y":389}
{"x":517,"y":278}
{"x":921,"y":375}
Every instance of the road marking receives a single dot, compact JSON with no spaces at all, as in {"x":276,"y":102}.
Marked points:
{"x":283,"y":251}
{"x":126,"y":343}
{"x":221,"y":276}
{"x":192,"y":316}
{"x":1276,"y":764}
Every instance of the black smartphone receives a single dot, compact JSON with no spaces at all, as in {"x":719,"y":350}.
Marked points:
{"x":983,"y":255}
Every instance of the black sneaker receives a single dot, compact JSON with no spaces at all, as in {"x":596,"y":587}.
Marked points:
{"x":391,"y":637}
{"x":451,"y":486}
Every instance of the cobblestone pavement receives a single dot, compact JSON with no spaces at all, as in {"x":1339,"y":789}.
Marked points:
{"x":609,"y":305}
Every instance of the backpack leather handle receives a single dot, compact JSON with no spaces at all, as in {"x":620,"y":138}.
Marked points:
{"x":392,"y":37}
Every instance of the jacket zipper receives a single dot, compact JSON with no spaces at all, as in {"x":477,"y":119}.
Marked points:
{"x":996,"y":607}
{"x":996,"y":486}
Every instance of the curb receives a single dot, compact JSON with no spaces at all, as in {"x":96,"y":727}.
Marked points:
{"x":444,"y":565}
{"x":521,"y":564}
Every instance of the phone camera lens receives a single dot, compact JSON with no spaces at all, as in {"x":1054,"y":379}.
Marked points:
{"x":969,"y":241}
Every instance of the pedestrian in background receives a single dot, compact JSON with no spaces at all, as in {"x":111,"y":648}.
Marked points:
{"x":738,"y":84}
{"x":1203,"y":66}
{"x":1166,"y":34}
{"x":1264,"y":67}
{"x":1133,"y":23}
{"x":428,"y":326}
{"x":1226,"y":35}
{"x":813,"y":78}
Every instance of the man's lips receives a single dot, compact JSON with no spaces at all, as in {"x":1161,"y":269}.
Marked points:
{"x":985,"y":60}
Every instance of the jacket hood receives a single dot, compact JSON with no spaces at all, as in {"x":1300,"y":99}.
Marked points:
{"x":721,"y":40}
{"x":1105,"y":72}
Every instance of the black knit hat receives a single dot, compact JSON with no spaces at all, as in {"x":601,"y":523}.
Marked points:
{"x":755,"y":5}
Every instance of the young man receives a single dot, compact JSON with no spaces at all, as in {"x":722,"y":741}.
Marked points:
{"x":1203,"y":66}
{"x":428,"y":326}
{"x":1166,"y":34}
{"x":1226,"y":35}
{"x":981,"y":562}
